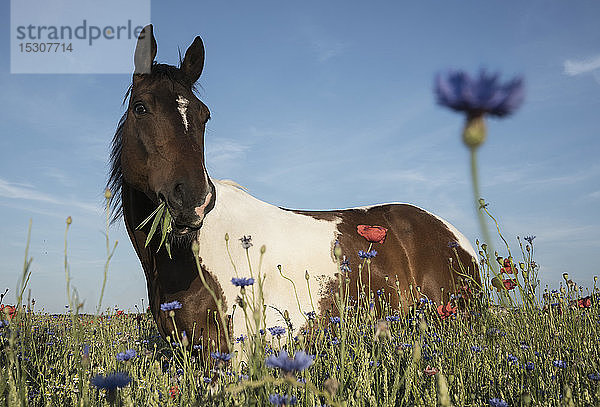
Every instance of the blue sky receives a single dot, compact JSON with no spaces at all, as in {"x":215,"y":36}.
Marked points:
{"x":322,"y":105}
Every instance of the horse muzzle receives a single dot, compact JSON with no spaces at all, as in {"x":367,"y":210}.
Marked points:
{"x":187,"y":213}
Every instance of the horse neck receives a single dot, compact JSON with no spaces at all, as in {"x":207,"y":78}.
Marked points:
{"x":164,"y":274}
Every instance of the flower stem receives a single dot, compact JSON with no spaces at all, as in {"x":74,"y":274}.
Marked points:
{"x":477,"y":196}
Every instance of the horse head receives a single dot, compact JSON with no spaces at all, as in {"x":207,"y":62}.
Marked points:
{"x":162,"y":151}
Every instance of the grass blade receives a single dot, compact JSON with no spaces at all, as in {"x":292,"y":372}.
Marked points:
{"x":160,"y":207}
{"x":157,"y":219}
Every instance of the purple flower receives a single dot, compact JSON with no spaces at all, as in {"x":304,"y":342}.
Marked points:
{"x":496,"y":402}
{"x":125,"y":356}
{"x":367,"y":255}
{"x":512,"y":358}
{"x":299,"y":362}
{"x":311,"y":315}
{"x":476,"y":96}
{"x":393,"y":318}
{"x":242,"y":281}
{"x":220,"y":357}
{"x":453,"y":245}
{"x":529,"y":239}
{"x":246,"y":242}
{"x":170,"y":306}
{"x":594,"y":376}
{"x":279,"y":400}
{"x":335,"y":320}
{"x":529,"y":366}
{"x":277,"y":331}
{"x":111,"y":382}
{"x":560,"y":364}
{"x":345,"y":265}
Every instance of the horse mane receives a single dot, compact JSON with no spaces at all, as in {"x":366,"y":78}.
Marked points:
{"x":115,"y":173}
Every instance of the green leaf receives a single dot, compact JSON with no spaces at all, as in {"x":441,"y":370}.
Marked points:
{"x":165,"y":228}
{"x":157,"y":219}
{"x":161,"y":206}
{"x":168,"y":247}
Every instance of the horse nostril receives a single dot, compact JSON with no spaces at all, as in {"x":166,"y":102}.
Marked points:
{"x":177,"y":196}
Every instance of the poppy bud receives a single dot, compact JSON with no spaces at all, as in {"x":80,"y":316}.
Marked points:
{"x":107,"y":194}
{"x":475,"y":132}
{"x":337,"y":250}
{"x":69,"y":220}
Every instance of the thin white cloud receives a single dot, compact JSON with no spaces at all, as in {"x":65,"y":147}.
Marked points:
{"x":578,"y":67}
{"x":28,"y":192}
{"x":24,"y":191}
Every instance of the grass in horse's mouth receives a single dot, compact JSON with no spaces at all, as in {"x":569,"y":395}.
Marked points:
{"x":160,"y":216}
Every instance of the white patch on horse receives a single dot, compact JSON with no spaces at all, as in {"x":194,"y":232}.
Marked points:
{"x":182,"y":104}
{"x":296,"y":242}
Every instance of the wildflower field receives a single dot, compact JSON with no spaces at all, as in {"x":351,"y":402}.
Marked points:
{"x":495,"y":346}
{"x":505,"y":341}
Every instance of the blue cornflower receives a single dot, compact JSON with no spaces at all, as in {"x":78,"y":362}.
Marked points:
{"x":207,"y":380}
{"x":529,"y":366}
{"x":453,"y":245}
{"x":477,"y":96}
{"x":170,"y":306}
{"x":197,"y":347}
{"x":242,"y":281}
{"x":512,"y":358}
{"x":125,"y":356}
{"x":299,"y":362}
{"x":393,"y":318}
{"x":529,"y":239}
{"x":475,"y":348}
{"x":345,"y":265}
{"x":496,"y":402}
{"x":280,"y":400}
{"x":367,"y":255}
{"x":335,"y":320}
{"x":3,"y":323}
{"x":220,"y":356}
{"x":277,"y":331}
{"x":594,"y":376}
{"x":560,"y":363}
{"x":311,"y":315}
{"x":246,"y":242}
{"x":241,"y":339}
{"x":112,"y":381}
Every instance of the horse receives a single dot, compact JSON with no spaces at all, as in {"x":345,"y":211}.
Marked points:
{"x":158,"y":157}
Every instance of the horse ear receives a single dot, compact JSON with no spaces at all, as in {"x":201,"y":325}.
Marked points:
{"x":193,"y":62}
{"x":145,"y":51}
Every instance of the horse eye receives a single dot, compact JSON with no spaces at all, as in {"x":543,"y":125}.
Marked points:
{"x":139,"y":108}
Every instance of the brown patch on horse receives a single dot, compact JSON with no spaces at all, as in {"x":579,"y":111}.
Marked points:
{"x":416,"y":253}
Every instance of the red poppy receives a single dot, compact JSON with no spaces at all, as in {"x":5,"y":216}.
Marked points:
{"x":120,"y":312}
{"x":585,"y":302}
{"x":373,"y":234}
{"x":430,"y":371}
{"x":8,"y":310}
{"x":508,"y":269}
{"x":174,"y":391}
{"x":510,"y":283}
{"x":445,"y":311}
